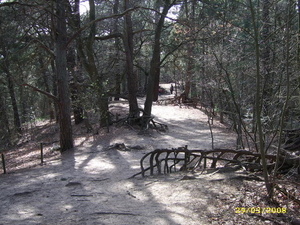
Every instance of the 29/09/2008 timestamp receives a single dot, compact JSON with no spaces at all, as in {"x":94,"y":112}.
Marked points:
{"x":242,"y":210}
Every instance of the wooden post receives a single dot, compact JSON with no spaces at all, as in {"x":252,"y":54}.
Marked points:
{"x":186,"y":157}
{"x":42,"y":154}
{"x":3,"y":163}
{"x":107,"y":124}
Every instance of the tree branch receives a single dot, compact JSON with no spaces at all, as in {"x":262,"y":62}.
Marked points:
{"x":41,"y":91}
{"x":98,"y":20}
{"x":15,"y":3}
{"x":44,"y":47}
{"x":169,"y":53}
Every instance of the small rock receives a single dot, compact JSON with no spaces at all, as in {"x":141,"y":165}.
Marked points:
{"x":119,"y":146}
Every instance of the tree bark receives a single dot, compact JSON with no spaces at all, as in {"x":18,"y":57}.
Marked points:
{"x":66,"y":137}
{"x":4,"y":123}
{"x":153,"y":78}
{"x":288,"y":84}
{"x":131,"y":76}
{"x":74,"y":85}
{"x":190,"y":15}
{"x":258,"y":105}
{"x":87,"y":57}
{"x":11,"y":89}
{"x":46,"y":80}
{"x":266,"y":58}
{"x":118,"y":75}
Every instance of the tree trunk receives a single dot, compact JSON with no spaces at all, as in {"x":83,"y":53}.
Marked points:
{"x":89,"y":63}
{"x":288,"y":84}
{"x":54,"y":89}
{"x":118,"y":75}
{"x":190,"y":15}
{"x":78,"y":110}
{"x":258,"y":105}
{"x":46,"y":81}
{"x":53,"y":84}
{"x":157,"y":75}
{"x":5,"y":131}
{"x":11,"y":90}
{"x":266,"y":58}
{"x":189,"y":71}
{"x":66,"y":137}
{"x":131,"y":76}
{"x":153,"y":78}
{"x":74,"y":86}
{"x":298,"y":46}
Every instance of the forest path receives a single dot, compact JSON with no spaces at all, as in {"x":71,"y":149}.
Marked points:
{"x":90,"y":185}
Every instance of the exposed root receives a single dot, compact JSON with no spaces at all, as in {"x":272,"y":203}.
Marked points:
{"x":167,"y":160}
{"x":136,"y":120}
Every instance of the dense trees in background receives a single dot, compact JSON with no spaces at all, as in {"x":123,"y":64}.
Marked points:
{"x":240,"y":59}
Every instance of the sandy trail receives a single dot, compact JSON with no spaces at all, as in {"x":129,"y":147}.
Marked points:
{"x":90,"y":185}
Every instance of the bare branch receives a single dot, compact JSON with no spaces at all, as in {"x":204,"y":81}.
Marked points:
{"x":44,"y":47}
{"x":15,"y":3}
{"x":171,"y":52}
{"x":41,"y":91}
{"x":98,"y":20}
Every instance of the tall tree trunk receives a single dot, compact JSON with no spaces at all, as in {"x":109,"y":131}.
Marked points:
{"x":54,"y":89}
{"x":11,"y":89}
{"x":298,"y":46}
{"x":153,"y":78}
{"x":5,"y":66}
{"x":46,"y":81}
{"x":74,"y":85}
{"x":131,"y":76}
{"x":258,"y":104}
{"x":189,"y":71}
{"x":190,"y":15}
{"x":66,"y":137}
{"x":87,"y":57}
{"x":53,"y":84}
{"x":102,"y":96}
{"x":118,"y":76}
{"x":266,"y":57}
{"x":4,"y":123}
{"x":157,"y":6}
{"x":288,"y":84}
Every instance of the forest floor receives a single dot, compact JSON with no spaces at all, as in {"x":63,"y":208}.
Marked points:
{"x":91,"y":184}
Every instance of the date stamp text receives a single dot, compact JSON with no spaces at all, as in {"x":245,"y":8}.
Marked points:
{"x":242,"y":210}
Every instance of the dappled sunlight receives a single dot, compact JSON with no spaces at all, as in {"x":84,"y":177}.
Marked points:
{"x":130,"y":112}
{"x":180,"y":214}
{"x":90,"y":183}
{"x":93,"y":165}
{"x":22,"y":214}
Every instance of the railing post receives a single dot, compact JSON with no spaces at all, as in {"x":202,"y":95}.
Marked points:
{"x":42,"y":153}
{"x":3,"y":163}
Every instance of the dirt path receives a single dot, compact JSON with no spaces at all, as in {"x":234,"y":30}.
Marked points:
{"x":91,"y":185}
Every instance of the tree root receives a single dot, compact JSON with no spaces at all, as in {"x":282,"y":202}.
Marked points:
{"x":143,"y":123}
{"x":166,"y":160}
